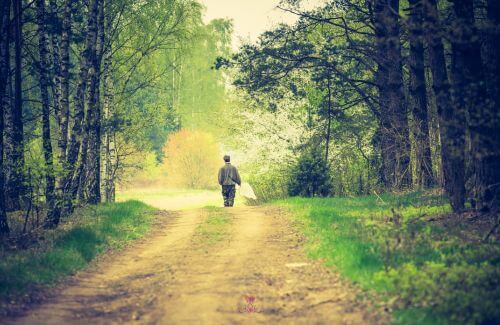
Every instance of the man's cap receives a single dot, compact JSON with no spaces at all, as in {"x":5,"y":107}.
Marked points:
{"x":227,"y":158}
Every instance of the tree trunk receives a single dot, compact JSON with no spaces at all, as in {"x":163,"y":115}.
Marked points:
{"x":451,"y":119}
{"x":52,"y":211}
{"x":418,"y":96}
{"x":76,"y":133}
{"x":56,"y":66}
{"x":14,"y":123}
{"x":329,"y":125}
{"x":470,"y":96}
{"x":64,"y":80}
{"x":93,"y":167}
{"x":394,"y":120}
{"x":4,"y":57}
{"x":489,"y":171}
{"x":109,"y":153}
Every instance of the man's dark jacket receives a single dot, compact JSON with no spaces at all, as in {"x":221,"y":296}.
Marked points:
{"x":228,"y":175}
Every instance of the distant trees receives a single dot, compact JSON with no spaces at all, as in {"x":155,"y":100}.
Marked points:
{"x":420,"y":69}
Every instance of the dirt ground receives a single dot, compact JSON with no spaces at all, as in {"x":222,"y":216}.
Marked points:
{"x":257,"y":274}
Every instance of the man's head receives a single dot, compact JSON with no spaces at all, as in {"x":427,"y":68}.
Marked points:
{"x":227,"y":158}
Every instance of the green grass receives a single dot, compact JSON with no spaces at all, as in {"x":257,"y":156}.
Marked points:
{"x":215,"y":227}
{"x":428,"y":270}
{"x":335,"y":228}
{"x":74,"y":245}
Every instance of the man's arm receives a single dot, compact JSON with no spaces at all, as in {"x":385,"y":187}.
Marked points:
{"x":220,"y":176}
{"x":238,"y":179}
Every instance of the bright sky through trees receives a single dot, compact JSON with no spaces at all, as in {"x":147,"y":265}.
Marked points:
{"x":251,"y":17}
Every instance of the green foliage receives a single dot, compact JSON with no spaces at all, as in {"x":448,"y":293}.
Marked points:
{"x":73,"y":247}
{"x":270,"y":185}
{"x":386,"y":243}
{"x":311,"y":176}
{"x":467,"y":293}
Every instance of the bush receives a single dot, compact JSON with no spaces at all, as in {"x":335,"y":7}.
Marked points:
{"x":311,"y":176}
{"x":192,"y":160}
{"x":270,"y":185}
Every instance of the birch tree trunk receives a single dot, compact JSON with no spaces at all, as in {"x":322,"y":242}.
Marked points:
{"x":93,"y":167}
{"x":75,"y":139}
{"x":56,"y":66}
{"x":52,"y":212}
{"x":65,"y":64}
{"x":109,"y":150}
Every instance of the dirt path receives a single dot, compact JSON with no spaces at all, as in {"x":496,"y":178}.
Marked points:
{"x":258,"y":273}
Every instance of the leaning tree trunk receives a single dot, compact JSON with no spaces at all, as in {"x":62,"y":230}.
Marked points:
{"x":451,"y":119}
{"x":470,"y":95}
{"x":4,"y":71}
{"x":14,"y":122}
{"x":394,"y":120}
{"x":52,"y":211}
{"x":418,"y":97}
{"x":79,"y":99}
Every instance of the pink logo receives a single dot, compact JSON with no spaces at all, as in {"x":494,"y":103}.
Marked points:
{"x":249,"y":307}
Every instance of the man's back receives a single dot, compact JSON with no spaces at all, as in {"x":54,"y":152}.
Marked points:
{"x":228,"y":175}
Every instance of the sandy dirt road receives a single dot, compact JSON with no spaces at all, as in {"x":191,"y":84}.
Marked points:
{"x":257,"y":274}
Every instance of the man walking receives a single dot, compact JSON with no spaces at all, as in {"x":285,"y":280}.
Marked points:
{"x":228,"y":178}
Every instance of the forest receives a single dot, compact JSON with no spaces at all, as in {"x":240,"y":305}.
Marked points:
{"x":86,"y":86}
{"x":398,"y":95}
{"x":386,"y":111}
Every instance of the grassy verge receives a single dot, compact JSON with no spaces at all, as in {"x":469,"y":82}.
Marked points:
{"x":215,"y":227}
{"x":429,"y":268}
{"x":73,"y":245}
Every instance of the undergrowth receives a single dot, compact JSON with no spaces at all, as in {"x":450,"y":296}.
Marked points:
{"x":428,"y":270}
{"x":73,"y":245}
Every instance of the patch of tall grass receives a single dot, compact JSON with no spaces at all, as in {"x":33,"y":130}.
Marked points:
{"x":71,"y":247}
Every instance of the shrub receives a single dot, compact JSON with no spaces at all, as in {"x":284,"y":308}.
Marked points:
{"x":192,"y":160}
{"x":271,"y":185}
{"x":311,"y":176}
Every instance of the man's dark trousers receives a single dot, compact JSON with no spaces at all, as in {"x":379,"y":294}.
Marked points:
{"x":228,"y":192}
